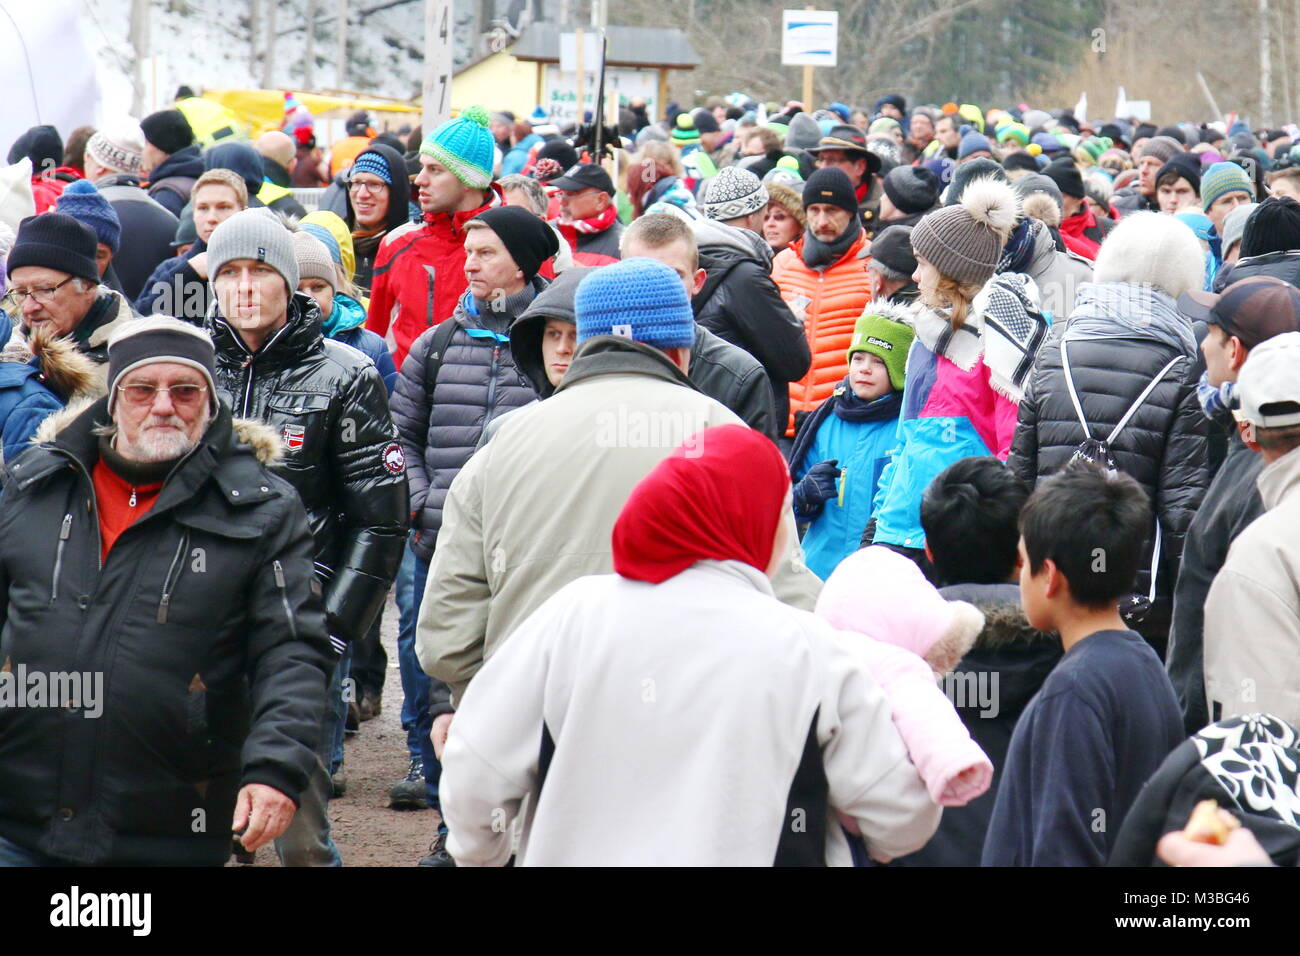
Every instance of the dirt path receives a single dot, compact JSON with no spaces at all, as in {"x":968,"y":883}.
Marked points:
{"x":365,"y":830}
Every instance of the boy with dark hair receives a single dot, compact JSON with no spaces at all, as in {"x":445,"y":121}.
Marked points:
{"x":969,"y":514}
{"x":1106,"y":716}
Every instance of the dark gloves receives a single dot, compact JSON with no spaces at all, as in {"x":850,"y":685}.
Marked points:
{"x":815,"y":488}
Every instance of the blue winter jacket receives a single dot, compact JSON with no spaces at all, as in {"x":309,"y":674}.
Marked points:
{"x":862,"y":450}
{"x":346,"y":324}
{"x":25,"y":401}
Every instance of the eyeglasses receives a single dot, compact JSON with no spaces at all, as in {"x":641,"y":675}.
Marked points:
{"x":16,"y":297}
{"x":373,"y":188}
{"x":143,"y":394}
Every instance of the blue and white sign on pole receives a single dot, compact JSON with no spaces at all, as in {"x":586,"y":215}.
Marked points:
{"x":809,"y":37}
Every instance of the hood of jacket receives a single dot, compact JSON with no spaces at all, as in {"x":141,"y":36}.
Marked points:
{"x":1019,"y":655}
{"x":553,"y":302}
{"x":183,"y":162}
{"x":302,"y":333}
{"x":1129,"y":310}
{"x":60,"y":365}
{"x":398,"y":193}
{"x":615,"y":355}
{"x":722,"y":248}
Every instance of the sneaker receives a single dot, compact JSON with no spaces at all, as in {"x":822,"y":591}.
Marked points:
{"x":438,"y":855}
{"x":339,"y":783}
{"x":411,"y":793}
{"x":371,"y":707}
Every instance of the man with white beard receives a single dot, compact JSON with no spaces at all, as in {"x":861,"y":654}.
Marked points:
{"x":145,"y":544}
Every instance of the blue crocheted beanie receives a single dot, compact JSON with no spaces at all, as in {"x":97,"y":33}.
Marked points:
{"x":464,"y":145}
{"x":639,"y":299}
{"x":82,"y":201}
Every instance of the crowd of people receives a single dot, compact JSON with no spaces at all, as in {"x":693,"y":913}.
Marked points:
{"x":901,"y":486}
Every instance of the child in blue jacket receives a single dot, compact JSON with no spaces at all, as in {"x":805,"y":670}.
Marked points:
{"x":844,"y":445}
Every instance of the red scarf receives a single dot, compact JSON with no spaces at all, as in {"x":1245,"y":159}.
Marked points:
{"x":1073,"y":237}
{"x":597,"y":223}
{"x":720,"y":495}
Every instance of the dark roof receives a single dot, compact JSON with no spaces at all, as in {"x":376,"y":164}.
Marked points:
{"x":628,"y":46}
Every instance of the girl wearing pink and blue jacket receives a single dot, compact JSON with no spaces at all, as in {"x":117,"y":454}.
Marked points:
{"x":976,"y":337}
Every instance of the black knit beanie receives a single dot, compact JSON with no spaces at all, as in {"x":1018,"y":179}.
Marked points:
{"x":55,"y":241}
{"x":528,"y":239}
{"x":168,"y":130}
{"x":1273,"y":227}
{"x":830,"y":185}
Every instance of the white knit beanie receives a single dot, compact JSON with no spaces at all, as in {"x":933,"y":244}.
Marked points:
{"x":16,"y":199}
{"x":118,"y":147}
{"x":1150,"y":248}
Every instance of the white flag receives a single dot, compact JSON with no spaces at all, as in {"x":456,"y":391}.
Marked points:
{"x":1081,"y":108}
{"x":1121,"y":104}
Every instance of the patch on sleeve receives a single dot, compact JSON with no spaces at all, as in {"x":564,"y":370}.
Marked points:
{"x":394,"y":460}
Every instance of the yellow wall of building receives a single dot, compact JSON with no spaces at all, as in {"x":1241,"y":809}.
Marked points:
{"x":499,"y":82}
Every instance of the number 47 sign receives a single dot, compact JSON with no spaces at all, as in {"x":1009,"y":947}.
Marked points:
{"x":437,"y":62}
{"x":809,"y":37}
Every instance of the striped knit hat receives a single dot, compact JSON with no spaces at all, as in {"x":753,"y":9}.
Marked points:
{"x":464,"y":145}
{"x":684,"y":131}
{"x":638,"y":299}
{"x":1224,"y":178}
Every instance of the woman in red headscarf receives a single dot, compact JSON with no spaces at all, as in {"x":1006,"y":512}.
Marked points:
{"x":676,"y":712}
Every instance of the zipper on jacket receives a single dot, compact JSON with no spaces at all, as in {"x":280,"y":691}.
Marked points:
{"x":168,"y":583}
{"x":65,"y":531}
{"x":492,"y":382}
{"x":248,"y":386}
{"x":284,"y":597}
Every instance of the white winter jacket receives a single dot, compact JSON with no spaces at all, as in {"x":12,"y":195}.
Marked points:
{"x":697,"y":722}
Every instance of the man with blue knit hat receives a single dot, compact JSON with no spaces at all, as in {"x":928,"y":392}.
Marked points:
{"x":82,"y":201}
{"x":419,"y":272}
{"x":623,"y":406}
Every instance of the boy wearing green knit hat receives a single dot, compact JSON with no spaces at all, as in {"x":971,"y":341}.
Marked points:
{"x":841,"y":448}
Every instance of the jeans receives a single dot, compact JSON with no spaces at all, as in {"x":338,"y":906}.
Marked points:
{"x":11,"y":854}
{"x":336,"y":716}
{"x":307,"y":842}
{"x":416,"y":684}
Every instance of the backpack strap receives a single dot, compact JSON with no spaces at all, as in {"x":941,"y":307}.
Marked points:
{"x":437,"y":350}
{"x":1142,"y":397}
{"x":1074,"y":395}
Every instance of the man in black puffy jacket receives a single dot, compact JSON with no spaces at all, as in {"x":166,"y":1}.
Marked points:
{"x":740,"y":303}
{"x":457,"y":378}
{"x":330,"y":408}
{"x":1127,"y":355}
{"x":158,"y":575}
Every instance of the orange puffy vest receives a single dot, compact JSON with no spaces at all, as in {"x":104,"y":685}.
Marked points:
{"x":829,"y":302}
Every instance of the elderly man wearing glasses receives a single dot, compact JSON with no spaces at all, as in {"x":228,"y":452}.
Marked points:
{"x":156,"y":572}
{"x":53,"y":285}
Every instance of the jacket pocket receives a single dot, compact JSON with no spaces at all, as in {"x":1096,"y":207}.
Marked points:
{"x":301,"y":422}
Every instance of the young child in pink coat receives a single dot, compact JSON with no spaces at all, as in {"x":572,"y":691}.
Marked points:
{"x":912,"y":637}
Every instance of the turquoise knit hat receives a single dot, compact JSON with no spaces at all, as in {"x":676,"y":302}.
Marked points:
{"x":464,"y":145}
{"x":883,"y":336}
{"x":640,"y":299}
{"x":1221,"y":179}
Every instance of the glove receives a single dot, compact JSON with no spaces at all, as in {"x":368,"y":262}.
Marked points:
{"x":815,"y":489}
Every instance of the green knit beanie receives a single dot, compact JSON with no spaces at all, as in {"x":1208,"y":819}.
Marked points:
{"x":882,"y":336}
{"x":464,"y":145}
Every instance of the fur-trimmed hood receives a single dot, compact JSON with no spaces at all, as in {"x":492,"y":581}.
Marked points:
{"x":64,"y":369}
{"x":261,"y":438}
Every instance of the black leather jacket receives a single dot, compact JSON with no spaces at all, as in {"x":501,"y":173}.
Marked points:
{"x":330,"y":408}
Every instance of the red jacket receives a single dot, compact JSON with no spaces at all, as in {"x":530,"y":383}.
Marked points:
{"x":420,"y":275}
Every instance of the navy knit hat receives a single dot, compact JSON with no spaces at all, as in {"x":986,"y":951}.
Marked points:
{"x":82,"y":201}
{"x":373,"y":163}
{"x":972,"y":141}
{"x":241,"y":159}
{"x":57,"y":241}
{"x":167,"y":130}
{"x":638,"y":299}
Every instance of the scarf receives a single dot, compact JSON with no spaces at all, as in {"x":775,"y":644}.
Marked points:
{"x":719,"y":496}
{"x":820,"y":255}
{"x":850,"y":408}
{"x":1019,"y":250}
{"x":1129,"y":310}
{"x":1072,"y":230}
{"x":1005,"y":327}
{"x":571,"y":229}
{"x":1217,"y":402}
